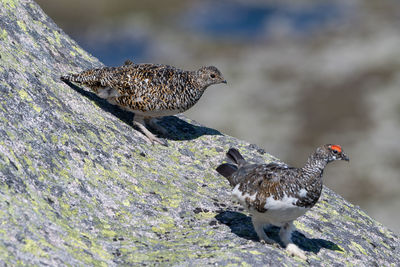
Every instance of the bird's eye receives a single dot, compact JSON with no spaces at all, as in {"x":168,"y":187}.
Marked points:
{"x":212,"y":76}
{"x":335,"y":151}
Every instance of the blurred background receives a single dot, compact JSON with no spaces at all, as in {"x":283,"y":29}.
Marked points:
{"x":300,"y":74}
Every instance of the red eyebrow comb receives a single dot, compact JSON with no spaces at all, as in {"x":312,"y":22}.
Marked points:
{"x":336,"y":147}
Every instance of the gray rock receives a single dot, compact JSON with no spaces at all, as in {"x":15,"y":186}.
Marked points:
{"x":80,"y":186}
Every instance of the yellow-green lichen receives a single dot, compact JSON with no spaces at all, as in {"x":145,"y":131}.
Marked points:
{"x":255,"y":252}
{"x":24,"y":95}
{"x":172,"y":200}
{"x":80,"y":249}
{"x":32,"y":247}
{"x":15,"y":160}
{"x":162,"y":228}
{"x":64,"y":138}
{"x":36,"y":108}
{"x":349,"y":218}
{"x":136,"y":189}
{"x":101,"y":252}
{"x":66,"y":209}
{"x":205,"y":215}
{"x":54,"y":139}
{"x":9,"y":3}
{"x":82,"y":52}
{"x":28,"y":161}
{"x":3,"y":34}
{"x":340,"y":249}
{"x":385,"y":245}
{"x":57,"y":36}
{"x":108,"y":233}
{"x":386,"y":232}
{"x":22,"y":25}
{"x":67,"y":118}
{"x":303,"y":228}
{"x":358,"y":247}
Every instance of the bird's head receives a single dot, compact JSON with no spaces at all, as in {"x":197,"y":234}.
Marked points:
{"x":210,"y":75}
{"x":332,"y":152}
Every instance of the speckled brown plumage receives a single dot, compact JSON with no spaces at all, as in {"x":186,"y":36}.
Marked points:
{"x":277,"y":193}
{"x":149,"y":90}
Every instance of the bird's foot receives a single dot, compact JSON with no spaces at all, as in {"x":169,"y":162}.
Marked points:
{"x":153,"y":124}
{"x":267,"y":240}
{"x":160,"y":141}
{"x":294,"y":250}
{"x":259,"y":228}
{"x":153,"y":139}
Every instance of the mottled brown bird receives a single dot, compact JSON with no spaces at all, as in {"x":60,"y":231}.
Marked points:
{"x":276,"y":193}
{"x":149,"y":90}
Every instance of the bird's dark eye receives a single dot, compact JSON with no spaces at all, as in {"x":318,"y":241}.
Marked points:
{"x":212,"y":76}
{"x":335,"y":151}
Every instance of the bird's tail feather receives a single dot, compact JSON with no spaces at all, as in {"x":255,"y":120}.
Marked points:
{"x":234,"y":155}
{"x":227,"y":170}
{"x":89,"y":77}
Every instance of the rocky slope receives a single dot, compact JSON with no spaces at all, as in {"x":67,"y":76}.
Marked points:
{"x":79,"y":186}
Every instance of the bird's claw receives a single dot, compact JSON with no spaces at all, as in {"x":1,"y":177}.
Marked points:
{"x":160,"y":141}
{"x":294,"y":250}
{"x":267,"y":241}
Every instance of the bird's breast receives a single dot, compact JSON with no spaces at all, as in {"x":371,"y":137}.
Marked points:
{"x":274,"y":211}
{"x":279,"y":211}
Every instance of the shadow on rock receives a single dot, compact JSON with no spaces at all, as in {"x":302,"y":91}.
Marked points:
{"x":242,"y":226}
{"x":177,"y":128}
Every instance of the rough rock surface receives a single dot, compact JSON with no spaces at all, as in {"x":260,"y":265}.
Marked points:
{"x":79,"y":186}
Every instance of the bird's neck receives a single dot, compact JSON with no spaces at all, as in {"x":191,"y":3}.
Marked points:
{"x":190,"y":90}
{"x":198,"y":86}
{"x":198,"y":82}
{"x":314,"y":168}
{"x":311,"y":180}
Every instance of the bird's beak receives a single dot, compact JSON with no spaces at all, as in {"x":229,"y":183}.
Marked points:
{"x":345,"y":157}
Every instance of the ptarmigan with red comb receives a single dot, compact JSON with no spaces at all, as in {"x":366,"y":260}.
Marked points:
{"x":276,"y":193}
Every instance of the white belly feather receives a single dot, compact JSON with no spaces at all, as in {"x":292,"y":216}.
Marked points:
{"x":278,"y":211}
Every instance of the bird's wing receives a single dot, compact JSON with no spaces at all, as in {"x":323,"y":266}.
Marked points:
{"x":132,"y":79}
{"x":145,"y":87}
{"x":262,"y":181}
{"x":265,"y":173}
